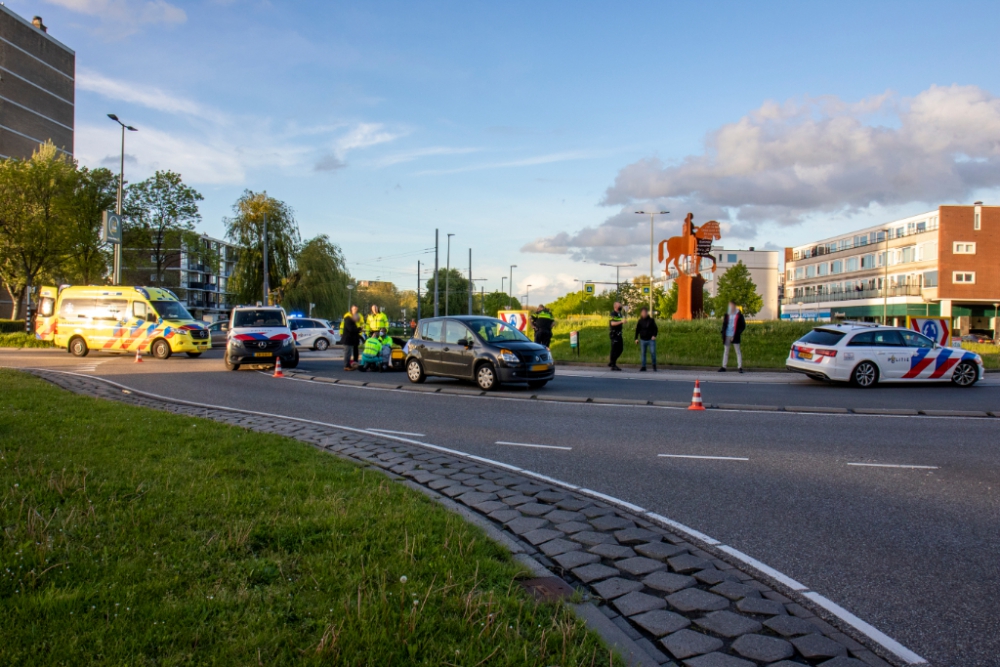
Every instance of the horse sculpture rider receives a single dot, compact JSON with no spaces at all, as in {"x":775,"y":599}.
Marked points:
{"x":694,"y":242}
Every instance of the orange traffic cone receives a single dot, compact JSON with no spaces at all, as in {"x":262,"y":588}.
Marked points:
{"x":696,"y":403}
{"x":277,"y":369}
{"x":138,"y":356}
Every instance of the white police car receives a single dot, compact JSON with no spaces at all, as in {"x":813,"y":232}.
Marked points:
{"x":866,"y":354}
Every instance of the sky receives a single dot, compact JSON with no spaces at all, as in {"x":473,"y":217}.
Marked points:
{"x":534,"y":131}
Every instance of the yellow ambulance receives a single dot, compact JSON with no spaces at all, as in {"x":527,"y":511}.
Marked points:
{"x":119,"y":319}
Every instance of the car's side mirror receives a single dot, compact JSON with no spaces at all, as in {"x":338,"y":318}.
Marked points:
{"x":467,"y":342}
{"x":150,"y":317}
{"x":224,"y":327}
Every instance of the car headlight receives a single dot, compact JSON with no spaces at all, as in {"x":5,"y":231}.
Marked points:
{"x":508,"y":357}
{"x":288,"y":342}
{"x":547,"y":357}
{"x":236,"y":342}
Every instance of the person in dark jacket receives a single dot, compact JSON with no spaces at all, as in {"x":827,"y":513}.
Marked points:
{"x":542,"y":322}
{"x":615,"y":324}
{"x":645,"y":336}
{"x":350,"y":338}
{"x":733,"y":324}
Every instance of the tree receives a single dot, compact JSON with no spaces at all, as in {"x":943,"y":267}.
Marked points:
{"x":34,"y":220}
{"x":497,"y":301}
{"x":246,"y":230}
{"x":382,"y":294}
{"x":88,"y":259}
{"x":159,"y":217}
{"x":735,"y":285}
{"x":667,"y":304}
{"x":320,"y":278}
{"x":458,"y":294}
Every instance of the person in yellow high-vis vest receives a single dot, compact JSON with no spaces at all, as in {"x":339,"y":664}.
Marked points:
{"x":376,"y":321}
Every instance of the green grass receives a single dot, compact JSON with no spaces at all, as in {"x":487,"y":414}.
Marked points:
{"x":989,"y":353}
{"x":692,"y":343}
{"x":135,"y":537}
{"x":22,"y":339}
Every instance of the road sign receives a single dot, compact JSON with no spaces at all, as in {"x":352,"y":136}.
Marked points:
{"x":111,"y":228}
{"x":588,"y":288}
{"x":515,"y":318}
{"x":645,"y":290}
{"x":937,"y":329}
{"x":574,"y":339}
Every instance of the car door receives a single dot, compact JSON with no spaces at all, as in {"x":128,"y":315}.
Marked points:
{"x":430,"y":344}
{"x":923,"y":356}
{"x":299,"y":332}
{"x":893,"y":356}
{"x":457,"y":355}
{"x":219,"y":333}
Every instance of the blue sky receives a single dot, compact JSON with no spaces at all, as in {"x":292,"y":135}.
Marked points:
{"x":533,"y":130}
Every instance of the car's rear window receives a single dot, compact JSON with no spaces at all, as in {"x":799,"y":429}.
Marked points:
{"x":822,"y":337}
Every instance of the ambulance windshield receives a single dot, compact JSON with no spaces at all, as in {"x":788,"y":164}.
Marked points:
{"x":171,"y":310}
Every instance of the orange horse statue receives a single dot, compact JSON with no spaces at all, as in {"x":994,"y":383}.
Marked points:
{"x":694,"y":242}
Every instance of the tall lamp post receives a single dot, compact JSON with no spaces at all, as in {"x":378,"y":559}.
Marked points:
{"x":510,"y":286}
{"x":527,"y":296}
{"x":651,"y":214}
{"x":117,"y":269}
{"x":885,"y":282}
{"x":618,"y":282}
{"x":447,"y":271}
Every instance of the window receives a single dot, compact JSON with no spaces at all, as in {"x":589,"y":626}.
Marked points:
{"x":922,"y":226}
{"x":909,"y":254}
{"x":73,"y":309}
{"x":810,"y":271}
{"x":963,"y":248}
{"x":862,"y":339}
{"x":456,"y":333}
{"x":868,"y":262}
{"x":110,"y":309}
{"x":889,"y":338}
{"x":837,"y":267}
{"x":822,"y":337}
{"x":977,"y":219}
{"x":139,"y":310}
{"x":852,"y":263}
{"x":822,"y":269}
{"x":260,"y":317}
{"x":799,"y":273}
{"x":431,"y":330}
{"x":930,"y":278}
{"x":731,"y":258}
{"x":963,"y":277}
{"x":913,"y":339}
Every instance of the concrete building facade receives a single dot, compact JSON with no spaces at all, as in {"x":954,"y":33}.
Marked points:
{"x":37,"y":87}
{"x":939,"y":263}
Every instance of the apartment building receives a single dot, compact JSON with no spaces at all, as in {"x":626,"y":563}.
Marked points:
{"x":939,"y":263}
{"x":37,"y":87}
{"x":764,"y":271}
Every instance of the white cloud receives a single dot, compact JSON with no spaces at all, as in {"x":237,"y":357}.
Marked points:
{"x":363,"y":135}
{"x":783,"y":163}
{"x":416,"y":154}
{"x":524,"y":162}
{"x":126,"y":16}
{"x":147,"y":96}
{"x":545,"y":286}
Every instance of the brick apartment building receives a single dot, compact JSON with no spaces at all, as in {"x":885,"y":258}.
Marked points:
{"x":37,"y":87}
{"x":939,"y":263}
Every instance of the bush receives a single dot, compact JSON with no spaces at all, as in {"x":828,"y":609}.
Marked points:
{"x":22,"y":339}
{"x":11,"y":326}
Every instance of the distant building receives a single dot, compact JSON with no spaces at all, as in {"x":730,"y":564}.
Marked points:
{"x":763,"y":268}
{"x":37,"y":87}
{"x":942,"y":263}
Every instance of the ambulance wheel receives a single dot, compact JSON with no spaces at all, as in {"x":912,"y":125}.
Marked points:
{"x":864,"y":375}
{"x":321,"y":345}
{"x":415,"y":371}
{"x":193,"y":355}
{"x":78,"y":347}
{"x":230,"y":366}
{"x":160,"y":349}
{"x":965,"y":375}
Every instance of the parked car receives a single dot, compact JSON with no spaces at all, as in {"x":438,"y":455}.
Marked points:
{"x":866,"y":354}
{"x":313,"y":333}
{"x":485,"y":350}
{"x":977,"y":338}
{"x":219,"y":331}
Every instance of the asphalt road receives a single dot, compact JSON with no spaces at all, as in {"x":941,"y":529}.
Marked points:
{"x":913,"y":551}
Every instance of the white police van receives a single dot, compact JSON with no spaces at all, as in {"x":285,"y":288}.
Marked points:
{"x":866,"y":354}
{"x":260,"y":335}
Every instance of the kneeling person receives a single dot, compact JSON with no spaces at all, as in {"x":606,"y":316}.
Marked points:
{"x":371,"y":355}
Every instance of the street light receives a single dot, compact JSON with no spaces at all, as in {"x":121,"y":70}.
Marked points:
{"x":117,"y":269}
{"x":527,"y":301}
{"x":995,"y":306}
{"x":651,"y":214}
{"x":447,"y":270}
{"x":510,"y":285}
{"x":350,"y":291}
{"x":885,"y":282}
{"x":618,"y":282}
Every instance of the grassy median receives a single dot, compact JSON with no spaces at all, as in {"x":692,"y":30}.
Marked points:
{"x":22,"y":339}
{"x":136,"y":537}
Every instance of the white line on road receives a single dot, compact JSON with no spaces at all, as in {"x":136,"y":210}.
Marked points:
{"x":385,"y":430}
{"x":892,"y":465}
{"x":525,"y":444}
{"x":692,"y":456}
{"x":876,"y":634}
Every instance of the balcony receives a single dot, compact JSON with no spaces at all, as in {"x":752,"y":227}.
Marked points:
{"x":901,"y":290}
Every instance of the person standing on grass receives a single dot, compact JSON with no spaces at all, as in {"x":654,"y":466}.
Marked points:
{"x":542,"y":322}
{"x":733,"y":324}
{"x":645,"y":336}
{"x":350,"y":338}
{"x":615,"y":332}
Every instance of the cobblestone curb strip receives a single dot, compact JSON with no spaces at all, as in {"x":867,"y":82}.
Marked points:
{"x":657,"y":596}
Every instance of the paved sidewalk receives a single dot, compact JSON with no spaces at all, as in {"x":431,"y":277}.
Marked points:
{"x":656,"y":595}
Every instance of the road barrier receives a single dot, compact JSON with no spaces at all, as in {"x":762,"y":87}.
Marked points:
{"x":696,"y":403}
{"x":277,"y":368}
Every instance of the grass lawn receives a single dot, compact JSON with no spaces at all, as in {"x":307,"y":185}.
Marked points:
{"x":22,"y":339}
{"x":693,"y":343}
{"x":989,"y":353}
{"x":136,"y":537}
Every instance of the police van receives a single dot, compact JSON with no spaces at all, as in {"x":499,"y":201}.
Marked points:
{"x":119,"y":319}
{"x":260,"y":335}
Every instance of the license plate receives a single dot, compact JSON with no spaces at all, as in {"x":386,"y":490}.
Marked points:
{"x":263,"y":354}
{"x":397,"y":354}
{"x":540,"y":367}
{"x":806,"y":355}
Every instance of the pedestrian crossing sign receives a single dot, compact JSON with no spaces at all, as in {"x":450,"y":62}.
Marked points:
{"x":645,"y":290}
{"x":588,"y":288}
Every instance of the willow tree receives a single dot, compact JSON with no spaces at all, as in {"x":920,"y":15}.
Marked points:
{"x":320,"y":278}
{"x":246,"y":231}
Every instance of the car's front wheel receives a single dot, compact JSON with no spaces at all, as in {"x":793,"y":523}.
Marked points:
{"x":321,"y":345}
{"x":486,"y":377}
{"x":230,"y":366}
{"x":865,"y":375}
{"x":965,"y":374}
{"x":415,"y":372}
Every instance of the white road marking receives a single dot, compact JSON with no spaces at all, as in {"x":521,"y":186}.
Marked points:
{"x":385,"y":430}
{"x":692,"y":456}
{"x":525,"y":444}
{"x":766,"y":569}
{"x":871,"y":632}
{"x":892,"y":465}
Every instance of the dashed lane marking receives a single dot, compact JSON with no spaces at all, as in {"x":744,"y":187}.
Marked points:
{"x":871,"y":632}
{"x":526,"y":444}
{"x":892,"y":465}
{"x":385,"y":430}
{"x":693,"y":456}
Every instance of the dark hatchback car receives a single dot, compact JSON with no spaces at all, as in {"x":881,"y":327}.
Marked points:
{"x":485,"y":350}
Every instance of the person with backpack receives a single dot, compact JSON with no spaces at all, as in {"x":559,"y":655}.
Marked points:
{"x":733,"y":324}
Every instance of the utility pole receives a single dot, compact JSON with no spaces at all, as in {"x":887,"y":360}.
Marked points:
{"x":267,"y":289}
{"x":116,"y":270}
{"x":651,"y":242}
{"x":510,"y":286}
{"x":482,"y":301}
{"x":885,"y":282}
{"x":447,"y":273}
{"x":418,"y":290}
{"x":435,"y":273}
{"x":471,"y":286}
